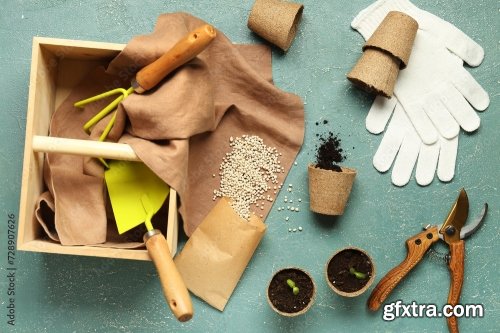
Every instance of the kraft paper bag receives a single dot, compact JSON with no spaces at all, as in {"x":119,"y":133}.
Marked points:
{"x":215,"y":256}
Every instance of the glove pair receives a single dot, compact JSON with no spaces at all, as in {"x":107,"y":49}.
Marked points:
{"x":433,"y":97}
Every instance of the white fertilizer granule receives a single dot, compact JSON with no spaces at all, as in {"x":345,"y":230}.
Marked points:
{"x":247,"y":172}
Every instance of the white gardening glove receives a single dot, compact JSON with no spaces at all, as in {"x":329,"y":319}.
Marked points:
{"x":402,"y":146}
{"x":431,"y":91}
{"x":434,"y":90}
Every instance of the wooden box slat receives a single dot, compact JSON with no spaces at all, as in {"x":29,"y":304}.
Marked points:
{"x":57,"y":65}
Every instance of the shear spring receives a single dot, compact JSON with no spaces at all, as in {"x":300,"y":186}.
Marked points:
{"x":438,"y":256}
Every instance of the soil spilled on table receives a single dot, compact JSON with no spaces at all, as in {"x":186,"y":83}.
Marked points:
{"x":281,"y":295}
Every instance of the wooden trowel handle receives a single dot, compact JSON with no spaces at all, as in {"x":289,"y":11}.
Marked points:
{"x":173,"y":286}
{"x":186,"y":49}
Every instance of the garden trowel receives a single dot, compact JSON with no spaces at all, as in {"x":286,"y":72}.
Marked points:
{"x":136,"y":194}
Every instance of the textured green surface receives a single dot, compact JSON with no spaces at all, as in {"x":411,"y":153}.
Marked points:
{"x":57,"y":293}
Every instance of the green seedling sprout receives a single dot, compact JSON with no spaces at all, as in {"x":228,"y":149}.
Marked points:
{"x":357,"y":274}
{"x":292,"y":285}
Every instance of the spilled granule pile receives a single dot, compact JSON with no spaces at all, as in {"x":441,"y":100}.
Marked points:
{"x":329,"y":153}
{"x":246,"y":173}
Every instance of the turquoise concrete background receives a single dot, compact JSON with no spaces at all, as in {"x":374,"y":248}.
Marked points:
{"x":55,"y":293}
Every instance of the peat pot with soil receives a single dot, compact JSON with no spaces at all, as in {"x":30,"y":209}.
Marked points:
{"x":350,"y":272}
{"x":329,"y":183}
{"x":291,"y":292}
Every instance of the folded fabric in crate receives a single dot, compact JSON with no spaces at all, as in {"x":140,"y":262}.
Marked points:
{"x":180,"y":129}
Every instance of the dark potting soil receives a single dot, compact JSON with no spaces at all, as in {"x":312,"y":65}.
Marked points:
{"x":339,"y":266}
{"x":281,"y":295}
{"x":329,"y":153}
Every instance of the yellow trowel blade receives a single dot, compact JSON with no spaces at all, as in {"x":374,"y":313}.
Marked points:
{"x":127,"y":182}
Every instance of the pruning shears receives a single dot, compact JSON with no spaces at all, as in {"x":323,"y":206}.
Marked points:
{"x":453,"y":232}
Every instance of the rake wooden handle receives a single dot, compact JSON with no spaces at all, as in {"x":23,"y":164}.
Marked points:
{"x":173,"y":286}
{"x":186,"y":49}
{"x":417,"y":246}
{"x":456,"y":265}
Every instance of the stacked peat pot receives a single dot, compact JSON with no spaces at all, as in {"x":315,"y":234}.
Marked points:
{"x":384,"y":54}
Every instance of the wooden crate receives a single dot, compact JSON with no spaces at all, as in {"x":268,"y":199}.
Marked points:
{"x":57,"y":65}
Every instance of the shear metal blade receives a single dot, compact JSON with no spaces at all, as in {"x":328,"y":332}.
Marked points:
{"x":470,"y":228}
{"x":452,"y":226}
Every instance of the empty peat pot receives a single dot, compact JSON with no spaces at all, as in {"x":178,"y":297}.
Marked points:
{"x":291,"y":292}
{"x":350,"y":272}
{"x":329,"y":190}
{"x":276,"y":21}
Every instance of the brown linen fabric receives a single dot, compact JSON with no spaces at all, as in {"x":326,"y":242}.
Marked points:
{"x":226,"y":91}
{"x":77,"y":199}
{"x":180,"y":129}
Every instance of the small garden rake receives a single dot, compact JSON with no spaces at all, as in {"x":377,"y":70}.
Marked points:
{"x":148,"y":77}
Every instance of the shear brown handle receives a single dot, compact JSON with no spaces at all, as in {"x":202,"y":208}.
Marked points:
{"x":186,"y":49}
{"x":417,"y":246}
{"x":174,"y":289}
{"x":456,"y":265}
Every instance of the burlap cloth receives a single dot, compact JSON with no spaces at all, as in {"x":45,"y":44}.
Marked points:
{"x":180,"y":129}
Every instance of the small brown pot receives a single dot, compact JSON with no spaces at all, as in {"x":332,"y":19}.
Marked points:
{"x":280,"y":295}
{"x":344,"y":282}
{"x":276,"y":21}
{"x":329,"y":190}
{"x":384,"y":54}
